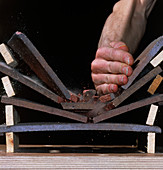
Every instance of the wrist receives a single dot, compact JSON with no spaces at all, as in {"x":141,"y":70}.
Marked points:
{"x":147,"y":6}
{"x":127,"y":23}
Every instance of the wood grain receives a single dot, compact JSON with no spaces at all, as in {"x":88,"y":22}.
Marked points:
{"x":155,"y":84}
{"x":7,"y":55}
{"x":152,"y":114}
{"x":12,"y":139}
{"x":76,"y":161}
{"x":151,"y":142}
{"x":157,"y":60}
{"x":8,"y":86}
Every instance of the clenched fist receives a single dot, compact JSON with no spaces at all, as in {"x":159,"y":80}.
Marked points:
{"x":111,"y":67}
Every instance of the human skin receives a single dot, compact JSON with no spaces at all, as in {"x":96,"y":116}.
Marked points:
{"x":119,"y":39}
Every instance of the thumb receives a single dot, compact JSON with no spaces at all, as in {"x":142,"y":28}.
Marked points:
{"x":120,"y":45}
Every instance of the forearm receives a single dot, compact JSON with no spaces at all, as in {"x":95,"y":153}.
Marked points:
{"x":127,"y":23}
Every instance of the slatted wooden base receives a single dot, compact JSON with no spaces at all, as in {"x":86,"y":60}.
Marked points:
{"x":80,"y":161}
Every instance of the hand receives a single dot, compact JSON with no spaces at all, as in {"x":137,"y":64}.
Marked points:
{"x":111,"y":67}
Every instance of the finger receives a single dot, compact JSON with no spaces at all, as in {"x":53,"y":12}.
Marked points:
{"x":106,"y":88}
{"x":112,"y":54}
{"x":109,"y":79}
{"x":121,"y":45}
{"x":103,"y":66}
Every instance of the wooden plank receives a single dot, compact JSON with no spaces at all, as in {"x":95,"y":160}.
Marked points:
{"x":157,"y":60}
{"x":127,"y":108}
{"x":127,"y":93}
{"x":5,"y":69}
{"x":85,"y":161}
{"x":24,"y":47}
{"x":43,"y":108}
{"x":52,"y":126}
{"x":151,"y":142}
{"x":82,"y":161}
{"x":155,"y":84}
{"x":136,"y":86}
{"x":152,"y":114}
{"x":7,"y":55}
{"x":12,"y":139}
{"x":8,"y":86}
{"x":78,"y":106}
{"x":144,"y":58}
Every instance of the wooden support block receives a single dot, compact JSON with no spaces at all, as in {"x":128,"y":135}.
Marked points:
{"x":12,"y":116}
{"x":151,"y":142}
{"x":12,"y":139}
{"x":7,"y":55}
{"x":9,"y":115}
{"x":152,"y":114}
{"x":12,"y":142}
{"x":157,"y":60}
{"x":151,"y":136}
{"x":155,"y":84}
{"x":8,"y":86}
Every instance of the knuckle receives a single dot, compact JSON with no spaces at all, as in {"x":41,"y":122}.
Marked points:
{"x":99,"y":52}
{"x":116,"y":54}
{"x":93,"y":65}
{"x":93,"y":77}
{"x":98,"y":89}
{"x":112,"y":52}
{"x":109,"y":67}
{"x":107,"y":78}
